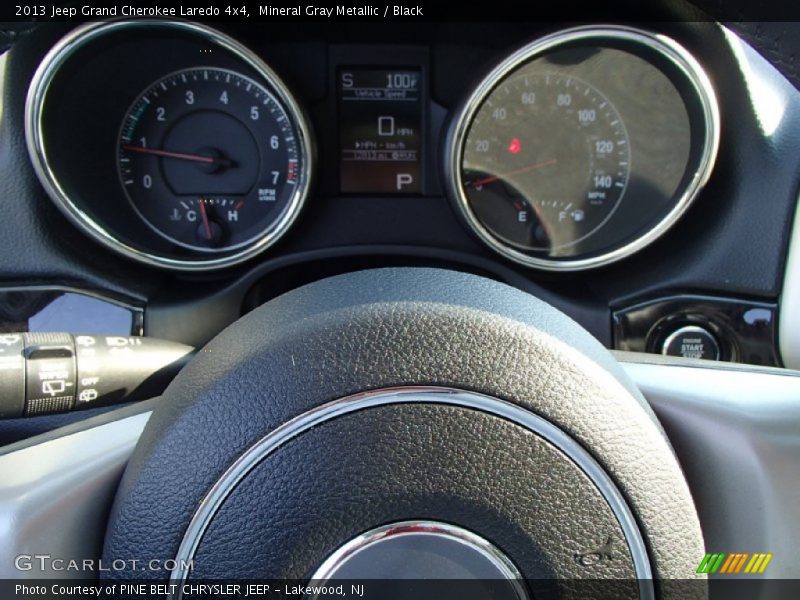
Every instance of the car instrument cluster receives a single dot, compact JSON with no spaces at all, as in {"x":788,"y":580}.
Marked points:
{"x":179,"y":147}
{"x":184,"y":148}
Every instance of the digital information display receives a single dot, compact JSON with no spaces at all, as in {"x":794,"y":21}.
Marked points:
{"x":380,"y":117}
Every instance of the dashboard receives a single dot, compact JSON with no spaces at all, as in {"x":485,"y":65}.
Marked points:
{"x":200,"y":228}
{"x":633,"y":175}
{"x":550,"y":160}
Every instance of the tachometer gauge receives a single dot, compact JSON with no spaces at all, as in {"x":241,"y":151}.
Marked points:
{"x":583,"y":147}
{"x":208,"y":158}
{"x":546,"y":161}
{"x":194,"y":154}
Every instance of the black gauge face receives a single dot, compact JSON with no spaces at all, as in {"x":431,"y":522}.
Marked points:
{"x":583,"y":147}
{"x":546,"y":161}
{"x":209,"y":159}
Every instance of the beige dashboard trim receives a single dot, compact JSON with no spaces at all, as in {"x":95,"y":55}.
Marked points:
{"x":789,"y":305}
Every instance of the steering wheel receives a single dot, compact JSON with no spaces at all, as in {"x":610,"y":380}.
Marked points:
{"x":405,"y":423}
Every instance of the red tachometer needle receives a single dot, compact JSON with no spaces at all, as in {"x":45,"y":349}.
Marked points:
{"x":494,"y":178}
{"x":168,"y":154}
{"x":204,"y":215}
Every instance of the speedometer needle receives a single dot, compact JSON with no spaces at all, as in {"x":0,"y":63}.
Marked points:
{"x":494,"y":178}
{"x":179,"y":155}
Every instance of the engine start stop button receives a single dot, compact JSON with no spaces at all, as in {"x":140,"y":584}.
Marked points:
{"x":691,"y":341}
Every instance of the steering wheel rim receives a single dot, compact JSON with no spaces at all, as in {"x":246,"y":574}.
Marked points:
{"x":377,"y":330}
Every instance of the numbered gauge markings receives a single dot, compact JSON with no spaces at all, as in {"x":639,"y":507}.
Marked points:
{"x":582,"y":147}
{"x":545,"y":162}
{"x":209,"y":158}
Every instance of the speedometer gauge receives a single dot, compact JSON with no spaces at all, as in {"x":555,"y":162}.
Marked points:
{"x":583,"y":147}
{"x":546,"y":161}
{"x":208,"y":158}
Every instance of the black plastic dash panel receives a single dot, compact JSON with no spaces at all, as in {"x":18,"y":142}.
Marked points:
{"x":746,"y":331}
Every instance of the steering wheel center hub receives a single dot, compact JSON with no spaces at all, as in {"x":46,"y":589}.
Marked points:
{"x":423,"y":550}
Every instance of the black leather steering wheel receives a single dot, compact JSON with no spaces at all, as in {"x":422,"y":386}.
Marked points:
{"x":399,"y":396}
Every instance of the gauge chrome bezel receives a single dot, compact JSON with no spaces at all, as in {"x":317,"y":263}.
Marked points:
{"x":71,"y":208}
{"x":678,"y":57}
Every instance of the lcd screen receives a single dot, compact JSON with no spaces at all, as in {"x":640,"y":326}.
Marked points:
{"x":380,"y":117}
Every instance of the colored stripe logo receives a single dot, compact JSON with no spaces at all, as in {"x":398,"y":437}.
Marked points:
{"x":731,"y":564}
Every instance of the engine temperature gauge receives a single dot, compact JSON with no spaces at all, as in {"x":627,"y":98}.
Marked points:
{"x":211,"y":216}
